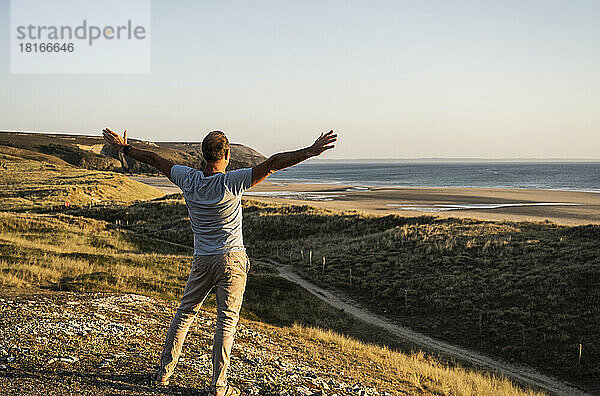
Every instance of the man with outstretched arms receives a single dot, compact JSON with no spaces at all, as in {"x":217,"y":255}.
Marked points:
{"x":213,"y":198}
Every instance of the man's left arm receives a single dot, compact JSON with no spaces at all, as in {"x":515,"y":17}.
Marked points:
{"x":290,"y":158}
{"x":148,"y":157}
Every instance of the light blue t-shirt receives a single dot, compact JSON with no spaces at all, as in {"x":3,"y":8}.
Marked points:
{"x":215,"y":207}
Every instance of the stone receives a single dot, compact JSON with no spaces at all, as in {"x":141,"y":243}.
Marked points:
{"x":69,"y":359}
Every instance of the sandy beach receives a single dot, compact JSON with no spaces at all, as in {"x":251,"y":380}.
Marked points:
{"x":560,"y":207}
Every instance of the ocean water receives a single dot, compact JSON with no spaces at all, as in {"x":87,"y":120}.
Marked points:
{"x":575,"y":176}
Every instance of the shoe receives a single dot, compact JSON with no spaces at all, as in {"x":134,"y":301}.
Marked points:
{"x":229,"y":391}
{"x":159,"y":379}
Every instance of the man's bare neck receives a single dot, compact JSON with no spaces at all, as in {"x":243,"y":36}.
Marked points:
{"x":214,"y":168}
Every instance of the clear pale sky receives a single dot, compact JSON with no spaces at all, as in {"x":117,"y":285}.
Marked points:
{"x":397,"y":79}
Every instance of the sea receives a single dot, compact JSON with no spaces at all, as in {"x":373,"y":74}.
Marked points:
{"x":546,"y":175}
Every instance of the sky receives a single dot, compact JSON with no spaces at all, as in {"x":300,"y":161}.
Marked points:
{"x":395,"y":79}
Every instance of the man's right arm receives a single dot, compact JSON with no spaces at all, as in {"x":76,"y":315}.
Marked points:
{"x":148,"y":157}
{"x":152,"y":159}
{"x":284,"y":160}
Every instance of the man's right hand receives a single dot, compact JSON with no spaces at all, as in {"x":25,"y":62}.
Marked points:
{"x":147,"y":157}
{"x":116,"y":141}
{"x":323,"y":143}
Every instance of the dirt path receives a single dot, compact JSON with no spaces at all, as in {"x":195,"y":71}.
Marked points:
{"x":521,"y":374}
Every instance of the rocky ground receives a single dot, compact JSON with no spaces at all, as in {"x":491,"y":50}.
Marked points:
{"x":97,"y":343}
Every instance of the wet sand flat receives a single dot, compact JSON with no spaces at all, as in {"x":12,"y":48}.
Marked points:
{"x":561,"y":207}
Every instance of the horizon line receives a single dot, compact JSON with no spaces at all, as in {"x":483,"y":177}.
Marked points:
{"x":551,"y":159}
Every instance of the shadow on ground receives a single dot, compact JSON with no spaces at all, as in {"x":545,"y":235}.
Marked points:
{"x":128,"y":383}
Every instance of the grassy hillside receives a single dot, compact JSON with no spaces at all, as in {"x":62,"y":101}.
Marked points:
{"x":30,"y":180}
{"x":90,"y":152}
{"x":69,"y":253}
{"x":523,"y":291}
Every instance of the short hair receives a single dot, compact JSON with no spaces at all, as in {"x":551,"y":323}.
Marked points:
{"x":215,"y":146}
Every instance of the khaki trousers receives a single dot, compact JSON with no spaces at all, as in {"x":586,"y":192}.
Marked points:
{"x":227,"y":274}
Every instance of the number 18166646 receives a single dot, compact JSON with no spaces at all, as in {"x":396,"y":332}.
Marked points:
{"x":46,"y":47}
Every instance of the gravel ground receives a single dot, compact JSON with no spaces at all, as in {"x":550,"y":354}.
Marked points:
{"x":98,"y":343}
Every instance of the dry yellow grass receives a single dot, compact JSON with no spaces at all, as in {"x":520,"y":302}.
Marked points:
{"x":32,"y":180}
{"x":66,"y":252}
{"x":413,"y":374}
